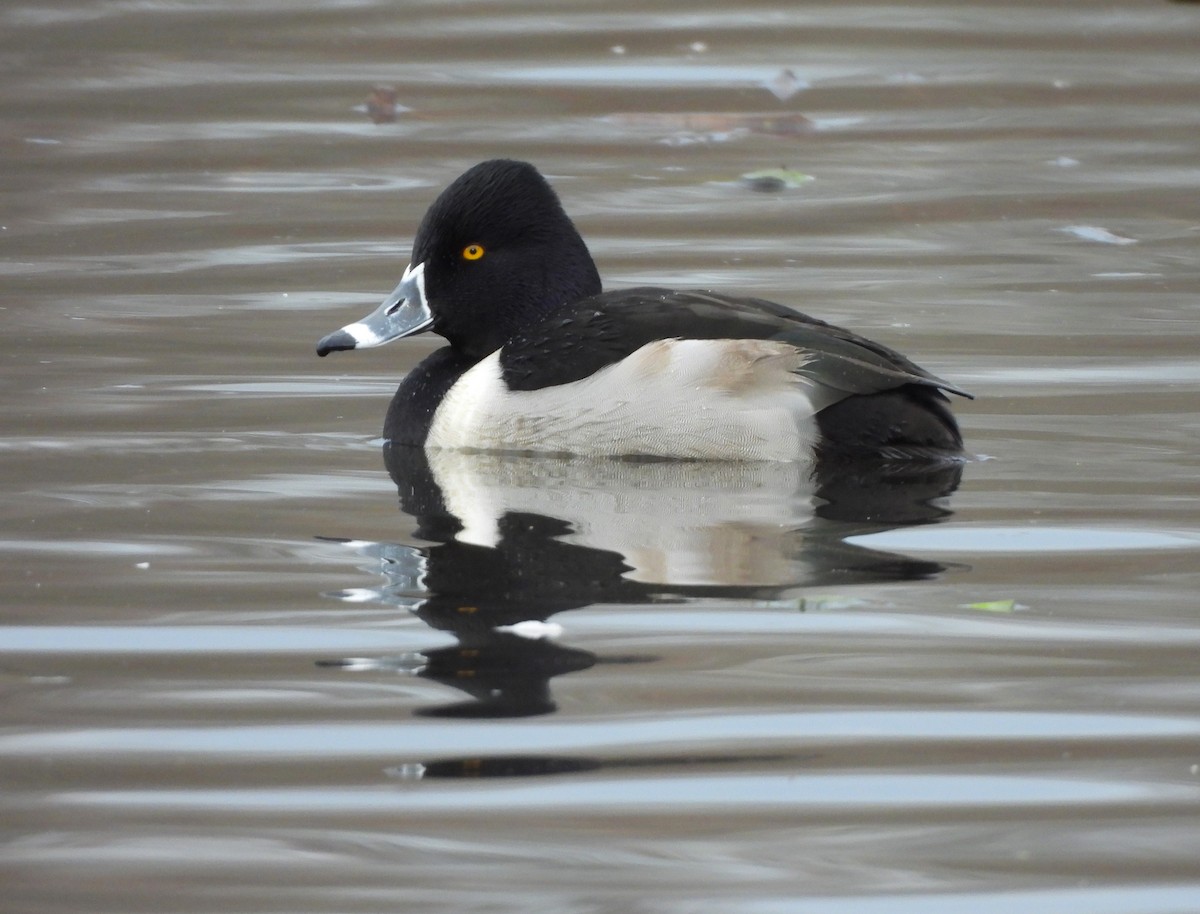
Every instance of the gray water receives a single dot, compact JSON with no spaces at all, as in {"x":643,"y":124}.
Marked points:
{"x":245,"y":669}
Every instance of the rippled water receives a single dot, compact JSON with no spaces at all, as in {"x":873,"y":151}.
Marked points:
{"x":254,"y":663}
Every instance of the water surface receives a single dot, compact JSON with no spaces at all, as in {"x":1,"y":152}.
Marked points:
{"x":255,"y":663}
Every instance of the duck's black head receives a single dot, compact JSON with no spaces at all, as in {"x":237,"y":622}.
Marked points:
{"x":494,"y":252}
{"x":499,"y":251}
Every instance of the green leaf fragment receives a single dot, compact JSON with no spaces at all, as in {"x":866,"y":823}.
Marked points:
{"x":995,"y":606}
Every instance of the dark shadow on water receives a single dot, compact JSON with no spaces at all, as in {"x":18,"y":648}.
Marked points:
{"x":512,"y":541}
{"x":524,"y":766}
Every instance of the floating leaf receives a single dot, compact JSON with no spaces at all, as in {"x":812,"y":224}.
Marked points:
{"x":775,"y":179}
{"x":701,"y":126}
{"x":381,"y":106}
{"x":816,"y":603}
{"x":995,"y":606}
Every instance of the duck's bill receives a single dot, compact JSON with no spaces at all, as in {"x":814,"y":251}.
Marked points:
{"x":403,"y":313}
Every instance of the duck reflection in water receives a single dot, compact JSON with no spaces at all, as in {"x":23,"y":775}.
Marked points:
{"x":512,"y":541}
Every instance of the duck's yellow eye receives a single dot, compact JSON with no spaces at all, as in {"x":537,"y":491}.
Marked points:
{"x":473,"y":251}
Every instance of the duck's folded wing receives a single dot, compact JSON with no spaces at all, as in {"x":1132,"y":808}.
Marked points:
{"x":838,"y":358}
{"x":844,"y":361}
{"x":580,"y":339}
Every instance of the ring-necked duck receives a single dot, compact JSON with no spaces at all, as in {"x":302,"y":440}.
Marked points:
{"x":540,"y":360}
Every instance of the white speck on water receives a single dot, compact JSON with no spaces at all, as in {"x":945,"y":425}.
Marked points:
{"x":532,"y":629}
{"x":785,"y":84}
{"x":409,"y":771}
{"x":358,"y":595}
{"x":1096,"y":233}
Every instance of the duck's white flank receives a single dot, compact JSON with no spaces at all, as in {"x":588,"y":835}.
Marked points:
{"x":702,"y":399}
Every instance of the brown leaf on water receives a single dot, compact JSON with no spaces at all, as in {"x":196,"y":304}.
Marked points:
{"x":381,"y":104}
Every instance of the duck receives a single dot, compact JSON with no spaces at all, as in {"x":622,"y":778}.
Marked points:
{"x":540,"y":360}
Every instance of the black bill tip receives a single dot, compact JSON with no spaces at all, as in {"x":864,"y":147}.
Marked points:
{"x":335,"y":342}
